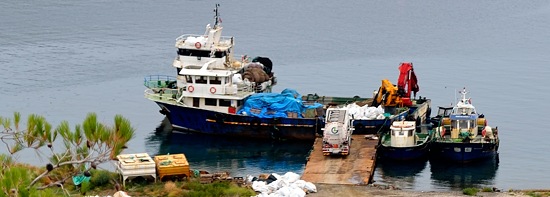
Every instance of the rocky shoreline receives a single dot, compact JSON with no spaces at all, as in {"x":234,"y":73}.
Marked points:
{"x":370,"y":190}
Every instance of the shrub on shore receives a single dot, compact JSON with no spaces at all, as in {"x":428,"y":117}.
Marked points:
{"x":14,"y":178}
{"x":487,"y":189}
{"x":217,"y":189}
{"x":470,"y":191}
{"x":539,"y":193}
{"x":103,"y":183}
{"x":81,"y":151}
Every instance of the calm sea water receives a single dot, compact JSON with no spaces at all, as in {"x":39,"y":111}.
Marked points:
{"x":63,"y":59}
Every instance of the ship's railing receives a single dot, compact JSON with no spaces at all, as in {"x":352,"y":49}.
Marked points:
{"x":247,"y":88}
{"x":223,"y":39}
{"x":161,"y":94}
{"x":160,"y":81}
{"x":252,"y":87}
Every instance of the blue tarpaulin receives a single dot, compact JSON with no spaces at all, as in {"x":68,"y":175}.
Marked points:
{"x":275,"y":105}
{"x":78,"y":179}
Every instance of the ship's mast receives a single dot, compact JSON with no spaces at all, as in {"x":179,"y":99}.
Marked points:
{"x":464,"y":92}
{"x":216,"y":16}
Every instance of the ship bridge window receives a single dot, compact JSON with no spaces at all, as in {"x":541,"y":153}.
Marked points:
{"x":188,"y":78}
{"x":462,"y":124}
{"x":194,"y":52}
{"x":215,"y":80}
{"x":225,"y":102}
{"x":220,"y":54}
{"x":201,"y":79}
{"x":466,"y":111}
{"x":210,"y":102}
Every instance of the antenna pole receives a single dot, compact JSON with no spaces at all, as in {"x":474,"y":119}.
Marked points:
{"x":216,"y":16}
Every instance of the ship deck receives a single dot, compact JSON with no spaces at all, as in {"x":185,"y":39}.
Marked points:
{"x":355,"y":169}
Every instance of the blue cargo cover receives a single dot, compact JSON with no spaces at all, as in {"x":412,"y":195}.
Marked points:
{"x":275,"y":105}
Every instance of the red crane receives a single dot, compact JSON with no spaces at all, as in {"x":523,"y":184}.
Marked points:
{"x":407,"y":83}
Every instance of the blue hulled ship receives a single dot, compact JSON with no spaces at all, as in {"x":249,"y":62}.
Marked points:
{"x":217,"y":92}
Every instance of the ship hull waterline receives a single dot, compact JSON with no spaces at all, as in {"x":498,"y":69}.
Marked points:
{"x":404,"y":153}
{"x":235,"y":125}
{"x":463,"y":152}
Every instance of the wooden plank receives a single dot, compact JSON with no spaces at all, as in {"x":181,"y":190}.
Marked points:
{"x":357,"y":168}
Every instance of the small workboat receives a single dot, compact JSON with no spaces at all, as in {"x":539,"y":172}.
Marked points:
{"x":462,"y":135}
{"x":405,"y":141}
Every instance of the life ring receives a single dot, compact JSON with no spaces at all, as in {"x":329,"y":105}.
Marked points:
{"x":213,"y":90}
{"x":483,"y":133}
{"x":190,"y":89}
{"x":443,"y":132}
{"x":198,"y":45}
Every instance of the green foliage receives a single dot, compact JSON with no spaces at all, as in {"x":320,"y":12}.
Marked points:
{"x":38,"y":131}
{"x":217,"y":189}
{"x":17,"y":119}
{"x":6,"y":161}
{"x":101,"y":178}
{"x":487,"y":189}
{"x":64,"y":130}
{"x":85,"y":186}
{"x":16,"y":148}
{"x":91,"y":127}
{"x":90,"y":142}
{"x":239,"y":191}
{"x":470,"y":191}
{"x":14,"y":179}
{"x":537,"y":193}
{"x":172,"y":189}
{"x":18,"y":176}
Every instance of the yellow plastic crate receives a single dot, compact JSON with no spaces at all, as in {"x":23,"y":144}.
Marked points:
{"x":172,"y":165}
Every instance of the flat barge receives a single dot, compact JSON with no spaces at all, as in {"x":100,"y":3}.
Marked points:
{"x":357,"y":168}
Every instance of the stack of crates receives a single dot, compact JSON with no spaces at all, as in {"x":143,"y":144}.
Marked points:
{"x":135,"y":165}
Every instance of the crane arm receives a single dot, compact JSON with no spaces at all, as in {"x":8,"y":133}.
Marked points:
{"x":387,"y":95}
{"x":407,"y":81}
{"x":390,"y":95}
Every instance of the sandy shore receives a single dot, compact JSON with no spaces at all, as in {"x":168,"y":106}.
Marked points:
{"x":351,"y":190}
